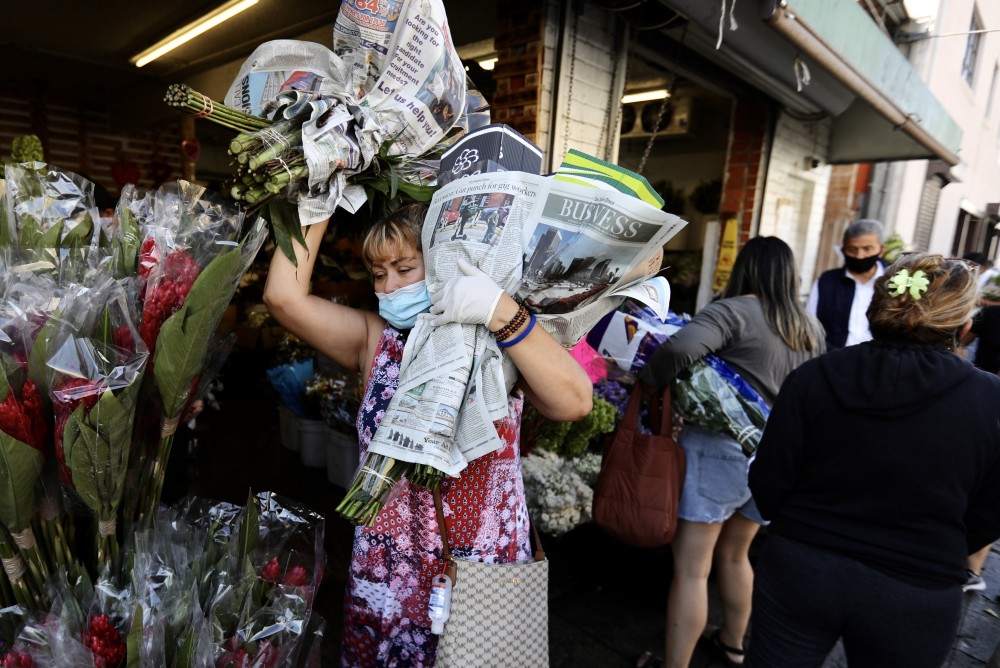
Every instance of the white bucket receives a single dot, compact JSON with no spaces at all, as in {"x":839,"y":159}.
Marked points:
{"x":289,"y":433}
{"x":312,"y":443}
{"x":341,"y":457}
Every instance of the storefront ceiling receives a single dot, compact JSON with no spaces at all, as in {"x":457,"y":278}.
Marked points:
{"x":68,"y":49}
{"x":756,"y":53}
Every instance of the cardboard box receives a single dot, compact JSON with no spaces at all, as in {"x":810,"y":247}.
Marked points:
{"x":491,"y":148}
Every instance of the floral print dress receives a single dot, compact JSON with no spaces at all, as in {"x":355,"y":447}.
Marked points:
{"x":388,"y":586}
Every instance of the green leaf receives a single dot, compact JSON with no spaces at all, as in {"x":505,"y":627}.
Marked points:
{"x":131,"y":242}
{"x":37,"y":371}
{"x":249,"y":529}
{"x":80,"y":235}
{"x":5,"y":236}
{"x":184,"y":336}
{"x":284,"y":219}
{"x":185,"y":653}
{"x":29,"y":232}
{"x":394,"y":182}
{"x":134,"y":640}
{"x":100,"y":465}
{"x":86,"y":455}
{"x":50,"y":239}
{"x":104,"y":331}
{"x":20,"y":466}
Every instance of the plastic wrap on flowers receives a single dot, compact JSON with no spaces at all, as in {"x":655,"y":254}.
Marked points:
{"x":96,"y":363}
{"x":709,"y":393}
{"x":49,"y":208}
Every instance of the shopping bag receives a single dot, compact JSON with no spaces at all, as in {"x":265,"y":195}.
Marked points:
{"x":639,"y":486}
{"x":499,"y":612}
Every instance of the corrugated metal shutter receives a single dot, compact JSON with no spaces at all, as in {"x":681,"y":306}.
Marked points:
{"x":925,"y":216}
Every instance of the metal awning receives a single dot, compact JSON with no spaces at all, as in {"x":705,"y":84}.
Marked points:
{"x":881,"y":108}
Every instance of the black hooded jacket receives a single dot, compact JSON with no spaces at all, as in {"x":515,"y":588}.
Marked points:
{"x":888,"y":454}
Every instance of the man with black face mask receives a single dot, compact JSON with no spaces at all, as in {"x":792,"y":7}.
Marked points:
{"x":840,"y":298}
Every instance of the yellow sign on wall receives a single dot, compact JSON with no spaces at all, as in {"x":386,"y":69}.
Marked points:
{"x":727,"y":254}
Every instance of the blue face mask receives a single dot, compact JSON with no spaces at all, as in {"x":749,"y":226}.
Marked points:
{"x":401,"y":307}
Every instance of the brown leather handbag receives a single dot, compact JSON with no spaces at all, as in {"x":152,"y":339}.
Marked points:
{"x":639,"y":486}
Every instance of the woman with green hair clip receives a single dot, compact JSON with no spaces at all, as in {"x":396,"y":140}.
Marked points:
{"x":880,"y":472}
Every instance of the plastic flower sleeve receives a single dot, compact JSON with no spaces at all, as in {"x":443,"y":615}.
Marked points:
{"x":49,"y":208}
{"x":96,"y":366}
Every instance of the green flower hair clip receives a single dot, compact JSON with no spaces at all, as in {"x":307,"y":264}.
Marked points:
{"x":902,"y":281}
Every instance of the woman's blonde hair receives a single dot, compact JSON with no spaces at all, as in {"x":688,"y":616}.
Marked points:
{"x":940,"y":312}
{"x":400,"y":228}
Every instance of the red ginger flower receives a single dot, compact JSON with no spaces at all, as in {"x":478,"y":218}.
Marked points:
{"x":16,"y":660}
{"x":24,"y":419}
{"x":105,"y":642}
{"x":65,"y":400}
{"x":168,"y":296}
{"x":296,"y":576}
{"x":271,"y":571}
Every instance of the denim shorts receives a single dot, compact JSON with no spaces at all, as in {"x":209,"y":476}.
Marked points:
{"x":715,"y":484}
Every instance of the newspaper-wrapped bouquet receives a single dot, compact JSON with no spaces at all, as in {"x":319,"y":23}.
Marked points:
{"x":570,"y":249}
{"x":365,"y":121}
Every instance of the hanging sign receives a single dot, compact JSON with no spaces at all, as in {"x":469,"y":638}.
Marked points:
{"x":727,"y":254}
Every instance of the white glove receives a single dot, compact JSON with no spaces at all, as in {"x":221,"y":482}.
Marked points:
{"x":470,"y":298}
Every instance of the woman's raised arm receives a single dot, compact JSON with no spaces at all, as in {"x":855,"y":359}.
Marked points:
{"x":339,"y":332}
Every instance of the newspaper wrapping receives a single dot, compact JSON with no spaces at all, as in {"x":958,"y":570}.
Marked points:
{"x":394,"y":76}
{"x":571,"y":252}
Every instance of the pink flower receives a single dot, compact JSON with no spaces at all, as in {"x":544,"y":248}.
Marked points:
{"x":296,"y":576}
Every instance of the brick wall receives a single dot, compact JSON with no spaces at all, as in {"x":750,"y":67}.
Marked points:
{"x":519,"y":41}
{"x":743,"y":180}
{"x":78,"y":140}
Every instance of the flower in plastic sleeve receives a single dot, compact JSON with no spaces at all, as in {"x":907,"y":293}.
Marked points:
{"x":66,"y":398}
{"x":104,"y":641}
{"x":24,"y":419}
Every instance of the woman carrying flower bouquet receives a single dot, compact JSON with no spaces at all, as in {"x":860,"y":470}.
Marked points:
{"x":880,"y":472}
{"x":759,"y":329}
{"x":386,"y":622}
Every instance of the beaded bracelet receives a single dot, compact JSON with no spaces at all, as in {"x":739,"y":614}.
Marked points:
{"x":515,"y":323}
{"x":517,"y":339}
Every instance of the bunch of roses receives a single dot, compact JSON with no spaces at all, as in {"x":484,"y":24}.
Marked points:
{"x":167,"y":295}
{"x":24,"y":420}
{"x":65,"y":399}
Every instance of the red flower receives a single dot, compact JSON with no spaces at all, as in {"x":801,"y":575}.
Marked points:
{"x":237,"y":656}
{"x":65,"y":400}
{"x":24,"y":420}
{"x":105,"y":642}
{"x":168,"y":296}
{"x":147,"y":258}
{"x":123,"y":337}
{"x":296,"y":576}
{"x":271,"y":571}
{"x":16,"y":660}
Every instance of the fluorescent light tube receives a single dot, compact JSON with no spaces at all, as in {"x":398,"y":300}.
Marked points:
{"x":191,"y":30}
{"x":646,"y":96}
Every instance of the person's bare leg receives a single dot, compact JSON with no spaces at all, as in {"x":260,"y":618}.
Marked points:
{"x":735,"y":577}
{"x":976,"y":560}
{"x":687,"y":603}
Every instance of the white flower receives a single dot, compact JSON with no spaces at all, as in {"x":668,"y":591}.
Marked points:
{"x":559,"y":491}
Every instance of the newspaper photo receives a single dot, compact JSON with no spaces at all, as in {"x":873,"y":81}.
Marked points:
{"x":572,"y":252}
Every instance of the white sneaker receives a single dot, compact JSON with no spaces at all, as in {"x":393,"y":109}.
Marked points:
{"x":974,"y":582}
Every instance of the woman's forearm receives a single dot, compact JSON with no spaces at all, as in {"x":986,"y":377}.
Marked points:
{"x":554,"y":382}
